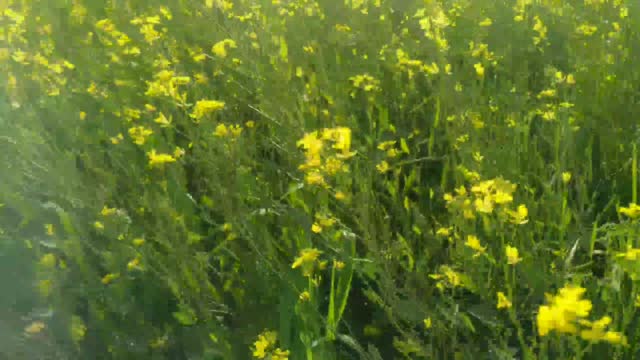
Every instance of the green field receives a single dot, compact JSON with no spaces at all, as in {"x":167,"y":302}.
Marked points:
{"x":319,"y":179}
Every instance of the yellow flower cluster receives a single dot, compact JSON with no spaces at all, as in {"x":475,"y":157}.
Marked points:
{"x":232,"y":131}
{"x":167,"y":83}
{"x":513,"y":256}
{"x":220,"y":48}
{"x":503,"y":301}
{"x":264,"y":347}
{"x":307,"y":261}
{"x":139,"y":134}
{"x":147,"y":26}
{"x":485,"y":197}
{"x":474,"y":243}
{"x":206,"y":107}
{"x":158,"y":159}
{"x":567,"y":312}
{"x":447,"y":278}
{"x":364,"y":82}
{"x":322,"y":221}
{"x":433,"y":21}
{"x":48,"y":261}
{"x":411,"y":66}
{"x":631,"y":254}
{"x":48,"y":73}
{"x":320,"y":162}
{"x":110,"y":36}
{"x":632,"y":211}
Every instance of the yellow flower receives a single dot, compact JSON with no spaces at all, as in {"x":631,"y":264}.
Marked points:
{"x":486,"y":22}
{"x":316,"y":228}
{"x":596,"y":332}
{"x":383,"y":167}
{"x":474,"y":243}
{"x":158,"y":159}
{"x":48,"y":261}
{"x":166,"y":12}
{"x":307,"y":256}
{"x":386,"y":145}
{"x":586,"y":29}
{"x":479,"y":69}
{"x":34,"y":328}
{"x":339,"y":195}
{"x":563,"y":311}
{"x":452,"y":277}
{"x":279,"y":354}
{"x":566,"y":177}
{"x":631,"y":254}
{"x":107,"y":211}
{"x":49,"y":229}
{"x":116,"y":139}
{"x":220,"y":48}
{"x":341,"y":136}
{"x":98,"y":225}
{"x":519,"y":217}
{"x":150,"y":33}
{"x":205,"y":107}
{"x":133,"y":264}
{"x":139,"y":134}
{"x":512,"y":255}
{"x":107,"y":279}
{"x":503,"y":301}
{"x":427,"y":323}
{"x":314,"y":178}
{"x":444,"y":231}
{"x":501,"y":197}
{"x":235,"y":130}
{"x":484,"y":205}
{"x":633,"y":211}
{"x":304,"y":296}
{"x":221,"y":130}
{"x":265,"y":340}
{"x":547,"y":93}
{"x":138,"y":241}
{"x":334,"y":165}
{"x":162,"y":120}
{"x":311,"y":143}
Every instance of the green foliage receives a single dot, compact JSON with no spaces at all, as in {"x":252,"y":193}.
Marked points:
{"x":323,"y":179}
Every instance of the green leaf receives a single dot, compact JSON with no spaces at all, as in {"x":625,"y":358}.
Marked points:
{"x":403,"y":146}
{"x":186,"y":316}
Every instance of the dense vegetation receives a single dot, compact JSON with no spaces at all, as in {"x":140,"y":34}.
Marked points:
{"x":319,"y":179}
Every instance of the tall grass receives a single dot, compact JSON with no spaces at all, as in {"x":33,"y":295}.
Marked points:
{"x":319,"y":179}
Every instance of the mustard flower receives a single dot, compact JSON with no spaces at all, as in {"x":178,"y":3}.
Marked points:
{"x":220,"y":48}
{"x":307,"y":256}
{"x":503,"y":301}
{"x":474,"y":243}
{"x":512,"y":255}
{"x":205,"y":107}
{"x":158,"y":159}
{"x":563,"y":311}
{"x":221,"y":130}
{"x":632,"y":211}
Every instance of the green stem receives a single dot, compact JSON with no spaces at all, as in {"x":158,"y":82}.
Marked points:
{"x":634,"y":175}
{"x":511,"y":311}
